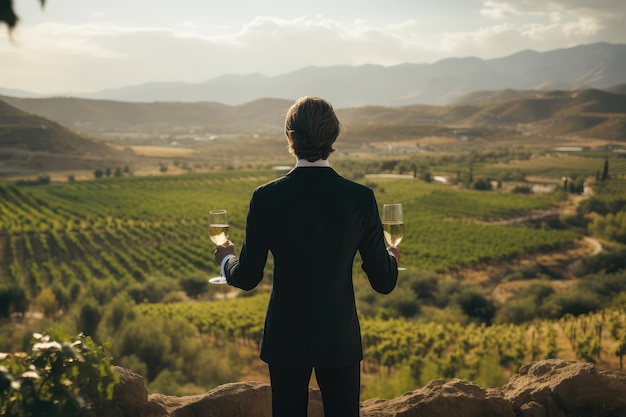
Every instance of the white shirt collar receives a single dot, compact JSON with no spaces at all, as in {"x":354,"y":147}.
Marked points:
{"x":320,"y":163}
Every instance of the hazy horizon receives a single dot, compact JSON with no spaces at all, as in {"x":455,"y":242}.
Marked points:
{"x":81,"y":47}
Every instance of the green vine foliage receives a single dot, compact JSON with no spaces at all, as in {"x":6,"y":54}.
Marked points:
{"x":59,"y":377}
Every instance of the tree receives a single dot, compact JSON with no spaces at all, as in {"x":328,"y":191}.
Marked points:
{"x":476,"y":305}
{"x":13,"y":299}
{"x":605,"y":171}
{"x":47,"y":301}
{"x":620,"y":352}
{"x":577,"y":185}
{"x":7,"y":14}
{"x":483,"y":184}
{"x":89,"y":317}
{"x":194,"y":285}
{"x":98,"y":173}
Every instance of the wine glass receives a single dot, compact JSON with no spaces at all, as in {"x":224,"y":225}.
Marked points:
{"x":218,"y":232}
{"x":393,"y":225}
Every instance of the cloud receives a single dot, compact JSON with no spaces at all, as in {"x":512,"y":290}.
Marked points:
{"x":499,"y":10}
{"x":544,"y":24}
{"x":612,"y":6}
{"x":612,"y":10}
{"x":107,"y":56}
{"x":82,"y":58}
{"x":278,"y":45}
{"x":539,"y":6}
{"x":583,"y":14}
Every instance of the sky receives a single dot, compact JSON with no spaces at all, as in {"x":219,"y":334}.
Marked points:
{"x":85,"y":46}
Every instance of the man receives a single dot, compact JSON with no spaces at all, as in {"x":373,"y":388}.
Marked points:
{"x":313,"y":221}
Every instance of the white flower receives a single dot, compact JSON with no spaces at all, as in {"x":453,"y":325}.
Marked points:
{"x":30,"y":375}
{"x":46,"y":346}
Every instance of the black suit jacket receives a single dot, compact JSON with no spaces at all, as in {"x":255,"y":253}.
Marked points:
{"x":313,"y":221}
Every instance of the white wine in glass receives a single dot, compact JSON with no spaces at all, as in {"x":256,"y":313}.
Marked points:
{"x":218,"y":232}
{"x":393,"y":224}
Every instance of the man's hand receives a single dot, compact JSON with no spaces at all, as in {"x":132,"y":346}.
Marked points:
{"x":396,"y":253}
{"x":222,"y":250}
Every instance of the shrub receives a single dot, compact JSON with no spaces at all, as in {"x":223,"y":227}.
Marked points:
{"x":483,"y":184}
{"x":537,"y":291}
{"x":522,"y":189}
{"x":59,"y":377}
{"x":153,"y":289}
{"x":401,"y":302}
{"x":89,"y":317}
{"x":13,"y":299}
{"x":611,"y":227}
{"x":116,"y":314}
{"x":517,"y":311}
{"x":446,"y":290}
{"x":424,"y":285}
{"x":194,"y":285}
{"x":47,"y":301}
{"x":608,"y":261}
{"x":607,"y":286}
{"x":574,"y":303}
{"x":476,"y":305}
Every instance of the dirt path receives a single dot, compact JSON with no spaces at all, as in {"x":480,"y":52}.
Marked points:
{"x":567,"y":208}
{"x":557,"y":264}
{"x":527,"y":218}
{"x":566,"y":351}
{"x":586,"y":247}
{"x":597,"y":246}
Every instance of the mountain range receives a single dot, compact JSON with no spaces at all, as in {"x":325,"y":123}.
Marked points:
{"x":599,"y":65}
{"x":586,"y":113}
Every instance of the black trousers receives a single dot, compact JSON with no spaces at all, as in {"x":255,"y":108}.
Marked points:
{"x":340,"y":388}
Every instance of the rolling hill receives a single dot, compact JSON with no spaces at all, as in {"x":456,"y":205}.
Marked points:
{"x":21,"y":130}
{"x":33,"y":143}
{"x":94,"y":116}
{"x":586,"y":113}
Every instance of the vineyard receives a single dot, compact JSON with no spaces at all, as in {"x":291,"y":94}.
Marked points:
{"x":119,"y":230}
{"x":416,"y":352}
{"x":125,"y":229}
{"x":94,"y":242}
